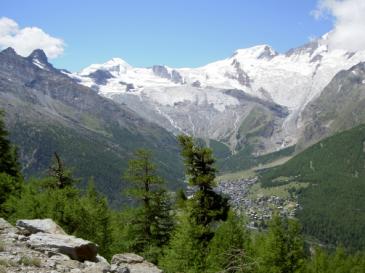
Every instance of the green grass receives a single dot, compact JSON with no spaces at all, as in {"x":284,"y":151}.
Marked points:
{"x":6,"y":263}
{"x":244,"y":160}
{"x":255,"y":122}
{"x":93,"y":123}
{"x":334,"y":201}
{"x":282,"y":191}
{"x":220,"y":150}
{"x":30,"y":261}
{"x":236,"y":175}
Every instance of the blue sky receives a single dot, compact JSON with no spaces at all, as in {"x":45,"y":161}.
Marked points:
{"x":186,"y":33}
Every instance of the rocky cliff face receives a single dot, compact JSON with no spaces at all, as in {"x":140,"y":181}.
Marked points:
{"x":341,"y":106}
{"x":41,"y":246}
{"x":233,"y":122}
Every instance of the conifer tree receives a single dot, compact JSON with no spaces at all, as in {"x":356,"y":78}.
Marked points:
{"x":188,"y":247}
{"x":230,"y":250}
{"x":8,"y":155}
{"x":283,"y":247}
{"x":152,"y":222}
{"x":185,"y":251}
{"x":162,"y":222}
{"x":93,"y":208}
{"x":62,"y":176}
{"x":10,"y":175}
{"x":206,"y":205}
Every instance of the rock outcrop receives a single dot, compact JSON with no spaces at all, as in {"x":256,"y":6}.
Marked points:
{"x":41,"y":246}
{"x":75,"y":248}
{"x":40,"y":225}
{"x":130,"y":262}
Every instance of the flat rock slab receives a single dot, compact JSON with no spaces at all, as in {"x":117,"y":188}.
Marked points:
{"x":132,"y":263}
{"x":75,"y":248}
{"x":40,"y":225}
{"x":129,"y":258}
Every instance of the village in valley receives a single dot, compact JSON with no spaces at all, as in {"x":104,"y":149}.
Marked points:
{"x":246,"y":196}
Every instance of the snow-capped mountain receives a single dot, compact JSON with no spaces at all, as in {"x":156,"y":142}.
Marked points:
{"x":198,"y":100}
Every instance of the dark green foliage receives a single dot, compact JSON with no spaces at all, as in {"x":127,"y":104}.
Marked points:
{"x":8,"y":156}
{"x":185,"y":252}
{"x":282,"y":249}
{"x":9,"y":186}
{"x":10,"y":176}
{"x":188,"y":248}
{"x":63,"y":177}
{"x":334,"y":203}
{"x":86,"y":216}
{"x":338,"y":262}
{"x":153,"y":224}
{"x":198,"y":162}
{"x":162,"y":222}
{"x":206,"y":206}
{"x":94,"y":222}
{"x":39,"y":202}
{"x":180,"y":199}
{"x":230,"y":250}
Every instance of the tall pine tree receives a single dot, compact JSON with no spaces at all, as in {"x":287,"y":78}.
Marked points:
{"x":8,"y":155}
{"x":206,"y":205}
{"x":282,"y":249}
{"x":152,"y":222}
{"x":188,"y":248}
{"x":93,"y":208}
{"x":230,"y":250}
{"x":61,"y":175}
{"x":10,"y":175}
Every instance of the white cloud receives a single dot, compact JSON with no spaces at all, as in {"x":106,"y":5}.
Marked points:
{"x":349,"y":24}
{"x":25,"y":40}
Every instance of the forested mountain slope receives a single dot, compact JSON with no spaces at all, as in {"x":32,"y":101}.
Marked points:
{"x":334,"y":203}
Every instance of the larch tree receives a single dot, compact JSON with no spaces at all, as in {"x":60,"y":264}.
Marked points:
{"x":152,"y":222}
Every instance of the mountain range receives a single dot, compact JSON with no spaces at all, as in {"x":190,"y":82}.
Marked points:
{"x":253,"y":107}
{"x":256,"y":96}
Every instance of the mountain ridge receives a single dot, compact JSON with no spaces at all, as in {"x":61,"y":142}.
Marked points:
{"x":47,"y":111}
{"x":291,"y":80}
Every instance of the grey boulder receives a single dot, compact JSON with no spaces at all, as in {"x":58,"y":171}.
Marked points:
{"x":40,"y":225}
{"x":75,"y":248}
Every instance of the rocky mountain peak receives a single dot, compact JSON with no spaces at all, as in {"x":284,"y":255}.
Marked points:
{"x":39,"y":58}
{"x":115,"y":66}
{"x":257,"y":52}
{"x":101,"y":76}
{"x":163,"y":72}
{"x":39,"y":55}
{"x":9,"y":52}
{"x":358,"y":67}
